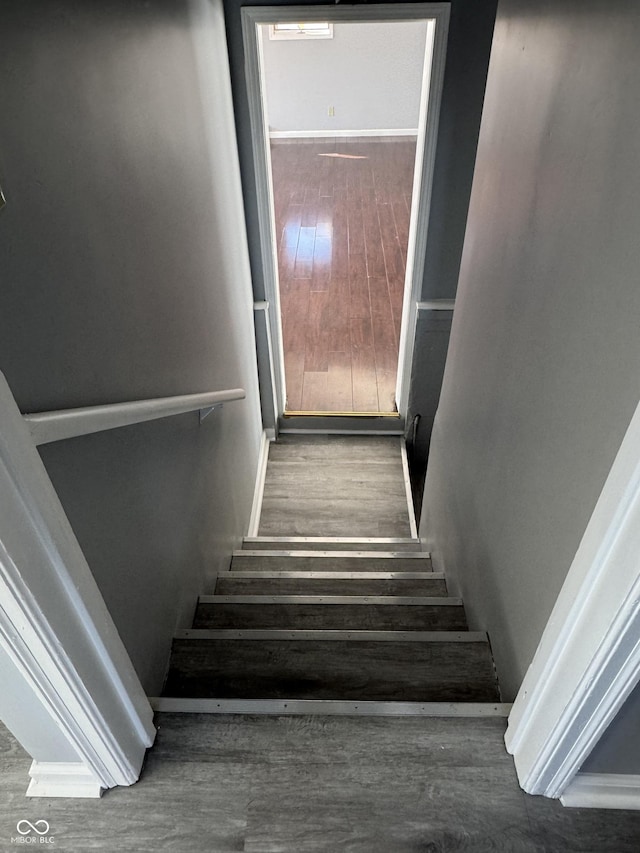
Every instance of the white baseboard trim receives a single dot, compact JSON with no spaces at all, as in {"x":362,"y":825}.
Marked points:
{"x":408,"y":490}
{"x":254,"y":521}
{"x":603,"y":791}
{"x":332,"y":134}
{"x":62,"y":779}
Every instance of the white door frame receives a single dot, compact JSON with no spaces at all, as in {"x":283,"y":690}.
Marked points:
{"x":588,"y":660}
{"x":433,"y":78}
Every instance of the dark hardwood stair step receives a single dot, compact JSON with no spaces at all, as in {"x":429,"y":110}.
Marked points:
{"x":330,"y":543}
{"x":339,"y":665}
{"x":331,"y":612}
{"x":327,"y":561}
{"x":330,"y":583}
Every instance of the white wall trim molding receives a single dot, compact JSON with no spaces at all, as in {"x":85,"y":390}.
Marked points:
{"x":436,"y":305}
{"x":55,"y":628}
{"x":62,"y":779}
{"x":588,"y":659}
{"x":266,"y":364}
{"x":603,"y":791}
{"x":408,"y":490}
{"x":330,"y":134}
{"x":256,"y":508}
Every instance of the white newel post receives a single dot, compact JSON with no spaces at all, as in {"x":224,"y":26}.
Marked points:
{"x":68,"y":690}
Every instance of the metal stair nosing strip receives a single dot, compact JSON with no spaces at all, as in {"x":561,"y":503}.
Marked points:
{"x":398,"y":600}
{"x":330,"y":543}
{"x":328,"y":707}
{"x":334,"y":555}
{"x":267,"y":574}
{"x":331,"y":635}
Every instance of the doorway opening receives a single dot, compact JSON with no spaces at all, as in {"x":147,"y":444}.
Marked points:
{"x":344,"y":112}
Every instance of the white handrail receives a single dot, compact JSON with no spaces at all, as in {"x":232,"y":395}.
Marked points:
{"x":69,"y":423}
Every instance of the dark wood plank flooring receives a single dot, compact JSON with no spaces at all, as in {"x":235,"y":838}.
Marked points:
{"x":342,"y":226}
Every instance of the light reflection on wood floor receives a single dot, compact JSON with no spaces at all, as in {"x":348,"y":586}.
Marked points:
{"x":342,"y":224}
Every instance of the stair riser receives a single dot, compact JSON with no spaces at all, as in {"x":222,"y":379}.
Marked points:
{"x":341,"y":670}
{"x":228,"y":585}
{"x":251,"y":563}
{"x":341,"y":617}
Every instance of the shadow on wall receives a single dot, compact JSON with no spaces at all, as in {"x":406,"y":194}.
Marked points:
{"x":433,"y":329}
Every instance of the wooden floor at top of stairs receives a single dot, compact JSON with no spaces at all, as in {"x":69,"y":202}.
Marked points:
{"x":342,"y":231}
{"x":335,"y":486}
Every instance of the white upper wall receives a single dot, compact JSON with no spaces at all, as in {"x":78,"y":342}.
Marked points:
{"x":370,"y":73}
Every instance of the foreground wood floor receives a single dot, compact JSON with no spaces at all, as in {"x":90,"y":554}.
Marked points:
{"x":342,"y":225}
{"x":216,"y":784}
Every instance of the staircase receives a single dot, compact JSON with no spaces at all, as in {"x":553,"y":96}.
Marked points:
{"x":316,"y":624}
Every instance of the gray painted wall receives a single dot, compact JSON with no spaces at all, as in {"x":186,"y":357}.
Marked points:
{"x":543,"y":370}
{"x":618,"y":751}
{"x":125,"y":275}
{"x":470,"y":33}
{"x":370,"y":73}
{"x":433,"y":329}
{"x":468,"y":51}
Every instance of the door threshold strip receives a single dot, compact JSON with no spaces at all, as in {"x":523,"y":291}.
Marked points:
{"x":303,"y":414}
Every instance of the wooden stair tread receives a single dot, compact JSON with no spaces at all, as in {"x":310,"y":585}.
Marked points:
{"x":332,"y":622}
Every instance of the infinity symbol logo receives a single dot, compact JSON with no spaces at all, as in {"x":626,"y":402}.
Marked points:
{"x":32,"y":827}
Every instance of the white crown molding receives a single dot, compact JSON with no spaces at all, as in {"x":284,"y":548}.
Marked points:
{"x":588,"y":659}
{"x":603,"y":791}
